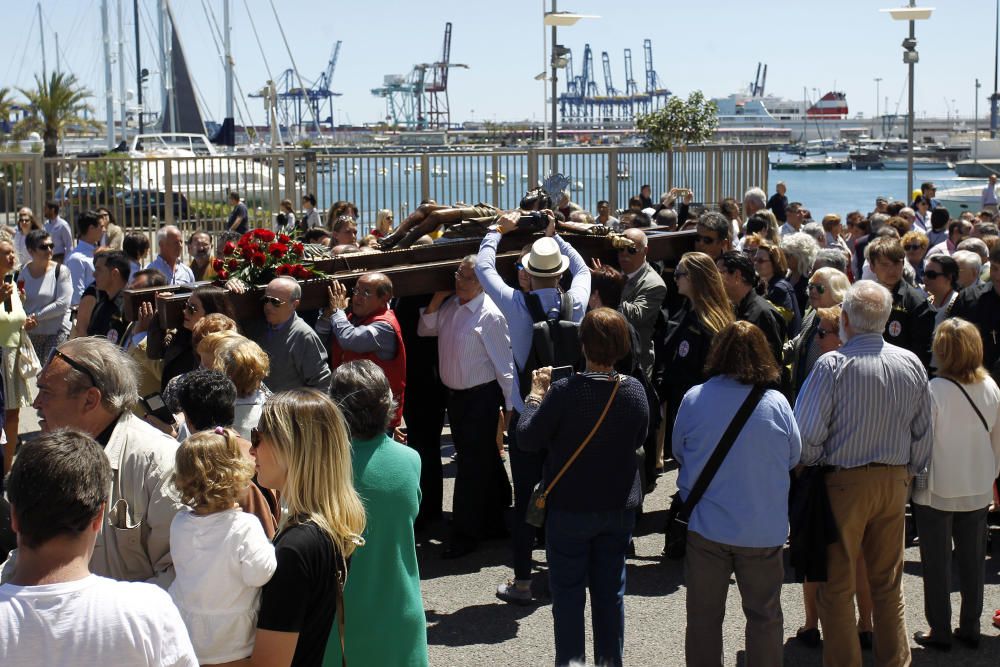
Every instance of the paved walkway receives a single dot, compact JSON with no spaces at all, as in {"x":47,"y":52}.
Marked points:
{"x":467,"y":625}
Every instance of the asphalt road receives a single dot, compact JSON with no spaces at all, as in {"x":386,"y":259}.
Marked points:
{"x":468,"y":625}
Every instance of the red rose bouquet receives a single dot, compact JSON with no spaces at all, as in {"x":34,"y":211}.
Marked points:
{"x":260,"y":255}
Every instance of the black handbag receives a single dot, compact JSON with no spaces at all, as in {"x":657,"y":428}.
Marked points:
{"x":680,"y":511}
{"x":534,"y":515}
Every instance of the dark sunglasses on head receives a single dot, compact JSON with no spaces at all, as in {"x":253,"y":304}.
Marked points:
{"x":912,"y":247}
{"x":74,"y":364}
{"x":707,"y":240}
{"x":190,"y":307}
{"x":273,"y":300}
{"x":820,"y":289}
{"x":932,"y":274}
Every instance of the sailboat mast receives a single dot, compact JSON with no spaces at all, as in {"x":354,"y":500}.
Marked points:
{"x":41,"y":35}
{"x":995,"y":97}
{"x":226,"y":36}
{"x":109,"y":91}
{"x":123,"y":100}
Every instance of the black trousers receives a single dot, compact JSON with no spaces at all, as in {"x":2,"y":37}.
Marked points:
{"x":423,"y":412}
{"x":482,"y":491}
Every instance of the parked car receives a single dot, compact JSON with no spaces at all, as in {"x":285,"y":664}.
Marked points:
{"x":137,"y":208}
{"x":73,"y":199}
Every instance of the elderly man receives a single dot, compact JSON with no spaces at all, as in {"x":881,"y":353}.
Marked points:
{"x":200,"y":251}
{"x":713,"y":235}
{"x":168,"y":262}
{"x":958,"y":231}
{"x":111,"y":274}
{"x":59,"y":230}
{"x":477,"y":367}
{"x":545,"y":264}
{"x":297,"y":354}
{"x":970,"y":265}
{"x":642,"y":295}
{"x":371,"y":331}
{"x":794,"y":217}
{"x":81,"y":261}
{"x":911,"y":325}
{"x":980,"y":304}
{"x":89,"y":385}
{"x":739,"y":278}
{"x":874,"y":443}
{"x":754,"y":200}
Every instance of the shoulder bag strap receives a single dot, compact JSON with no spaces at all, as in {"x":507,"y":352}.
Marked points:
{"x":721,"y":450}
{"x":341,"y":582}
{"x":600,"y":420}
{"x":534,"y":306}
{"x":969,"y":398}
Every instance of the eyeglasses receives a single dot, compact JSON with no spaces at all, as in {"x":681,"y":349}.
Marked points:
{"x":680,"y":274}
{"x":74,"y":364}
{"x":192,"y":308}
{"x":822,"y":333}
{"x":705,"y":240}
{"x":46,"y":246}
{"x":255,"y":437}
{"x":819,"y":288}
{"x":931,"y":274}
{"x":912,"y":247}
{"x":271,"y":300}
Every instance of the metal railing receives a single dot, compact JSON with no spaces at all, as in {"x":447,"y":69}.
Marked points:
{"x":143,"y":193}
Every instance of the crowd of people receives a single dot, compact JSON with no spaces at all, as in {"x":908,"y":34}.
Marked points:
{"x":262,"y":481}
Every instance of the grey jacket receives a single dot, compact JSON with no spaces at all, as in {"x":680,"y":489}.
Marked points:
{"x":641,"y":300}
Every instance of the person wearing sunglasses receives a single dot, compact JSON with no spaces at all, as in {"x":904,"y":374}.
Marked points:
{"x":772,"y":269}
{"x":643,"y":295}
{"x":26,"y":223}
{"x":89,"y":384}
{"x":915,"y":244}
{"x":47,"y":293}
{"x":941,"y":283}
{"x":911,"y":321}
{"x":713,"y":235}
{"x":297,"y":353}
{"x":827,"y":287}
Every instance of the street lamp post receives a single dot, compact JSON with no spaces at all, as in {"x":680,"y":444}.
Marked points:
{"x":912,"y":14}
{"x":555,"y":19}
{"x":975,"y":126}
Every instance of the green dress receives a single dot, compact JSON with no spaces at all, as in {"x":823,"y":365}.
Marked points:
{"x":384,"y":621}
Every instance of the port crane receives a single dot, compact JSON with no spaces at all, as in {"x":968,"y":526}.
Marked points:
{"x":419,"y":100}
{"x":292,"y":98}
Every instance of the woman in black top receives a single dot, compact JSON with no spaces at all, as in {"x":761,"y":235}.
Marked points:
{"x":302,"y":450}
{"x":591,"y":510}
{"x":769,"y":261}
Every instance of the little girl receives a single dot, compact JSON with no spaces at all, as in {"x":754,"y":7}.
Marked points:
{"x":221,"y":555}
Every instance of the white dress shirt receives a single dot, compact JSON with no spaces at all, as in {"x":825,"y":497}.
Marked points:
{"x":473,"y":344}
{"x":181,"y":274}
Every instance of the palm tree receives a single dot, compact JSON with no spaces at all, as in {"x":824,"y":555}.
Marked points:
{"x":6,"y":108}
{"x":54,"y":106}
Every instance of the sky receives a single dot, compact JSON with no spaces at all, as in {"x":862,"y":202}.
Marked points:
{"x":708,"y":45}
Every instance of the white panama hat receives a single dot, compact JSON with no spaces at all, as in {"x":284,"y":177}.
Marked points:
{"x":545,"y":260}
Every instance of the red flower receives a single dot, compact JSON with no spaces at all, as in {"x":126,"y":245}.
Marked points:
{"x":229,"y":248}
{"x":277,"y":249}
{"x":298,"y":249}
{"x":222,"y":274}
{"x":265,"y":235}
{"x":283,"y":270}
{"x":233,"y":264}
{"x":258,"y":259}
{"x":246,"y":238}
{"x":217,"y":265}
{"x":301,"y":272}
{"x":284,"y":238}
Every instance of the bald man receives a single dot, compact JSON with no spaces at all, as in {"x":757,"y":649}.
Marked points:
{"x":168,"y":262}
{"x":642,"y":296}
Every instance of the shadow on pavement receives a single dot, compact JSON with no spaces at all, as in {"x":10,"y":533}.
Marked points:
{"x":478,"y":624}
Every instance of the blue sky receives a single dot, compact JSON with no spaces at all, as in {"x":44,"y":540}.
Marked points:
{"x":712,"y":45}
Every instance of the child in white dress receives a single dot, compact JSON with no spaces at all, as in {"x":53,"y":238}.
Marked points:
{"x":221,"y":555}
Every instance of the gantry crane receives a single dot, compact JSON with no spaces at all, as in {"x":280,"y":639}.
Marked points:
{"x":291,"y":97}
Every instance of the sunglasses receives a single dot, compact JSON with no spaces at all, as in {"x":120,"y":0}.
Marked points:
{"x":74,"y":364}
{"x":272,"y":300}
{"x":817,"y":287}
{"x":255,"y":437}
{"x":822,"y":333}
{"x":705,"y":240}
{"x":519,"y":266}
{"x":191,"y":308}
{"x":911,"y":248}
{"x":633,"y":250}
{"x":680,"y":274}
{"x":46,"y":246}
{"x":932,"y":274}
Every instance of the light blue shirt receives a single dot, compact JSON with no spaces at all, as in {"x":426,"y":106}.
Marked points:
{"x":511,"y":301}
{"x":81,"y":269}
{"x":867,"y":402}
{"x":62,"y":236}
{"x":746,"y":504}
{"x":177,"y":275}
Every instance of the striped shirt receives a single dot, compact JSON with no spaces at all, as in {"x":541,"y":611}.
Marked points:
{"x":473,"y":344}
{"x":866,"y":403}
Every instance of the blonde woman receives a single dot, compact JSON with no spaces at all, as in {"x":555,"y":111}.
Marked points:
{"x":950,"y":500}
{"x":302,"y":450}
{"x":680,"y":360}
{"x":246,"y":364}
{"x":383,"y":223}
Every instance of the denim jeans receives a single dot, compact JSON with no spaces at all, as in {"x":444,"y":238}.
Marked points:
{"x":587,"y":550}
{"x":525,"y":471}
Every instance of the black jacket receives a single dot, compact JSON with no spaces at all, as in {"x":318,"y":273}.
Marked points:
{"x":980,"y":304}
{"x":756,"y":310}
{"x":911,"y":322}
{"x":680,"y":358}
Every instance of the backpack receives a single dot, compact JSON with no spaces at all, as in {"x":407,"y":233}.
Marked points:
{"x":554,"y":341}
